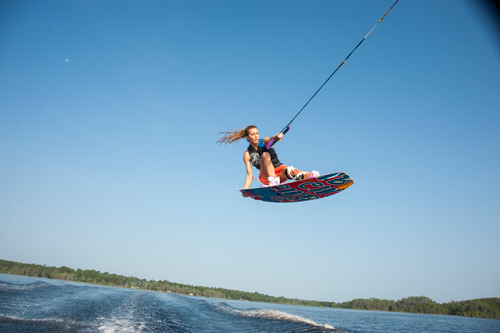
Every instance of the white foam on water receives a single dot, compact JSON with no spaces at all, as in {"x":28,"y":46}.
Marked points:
{"x":112,"y":325}
{"x":40,"y":320}
{"x":14,"y":318}
{"x":278,"y":315}
{"x":124,"y":318}
{"x":275,"y":315}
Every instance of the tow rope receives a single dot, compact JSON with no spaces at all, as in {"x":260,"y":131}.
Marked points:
{"x":287,"y":127}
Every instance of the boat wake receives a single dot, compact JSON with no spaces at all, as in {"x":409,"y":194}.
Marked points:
{"x":42,"y":324}
{"x":46,"y":306}
{"x":272,"y":315}
{"x":6,"y":286}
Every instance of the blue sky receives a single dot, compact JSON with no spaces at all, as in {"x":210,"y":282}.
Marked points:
{"x":109,"y":114}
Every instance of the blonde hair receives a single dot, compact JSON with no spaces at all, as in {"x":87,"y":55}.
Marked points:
{"x":234,"y":134}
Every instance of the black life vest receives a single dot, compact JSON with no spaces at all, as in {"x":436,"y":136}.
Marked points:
{"x":255,"y":155}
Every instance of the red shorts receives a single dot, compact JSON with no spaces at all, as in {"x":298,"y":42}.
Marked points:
{"x":277,"y":170}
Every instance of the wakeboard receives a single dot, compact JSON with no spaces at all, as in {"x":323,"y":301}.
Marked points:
{"x":302,"y":190}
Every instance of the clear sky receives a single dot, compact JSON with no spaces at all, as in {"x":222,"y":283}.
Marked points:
{"x":110,"y":110}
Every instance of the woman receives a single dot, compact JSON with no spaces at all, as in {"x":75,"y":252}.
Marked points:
{"x":272,"y":171}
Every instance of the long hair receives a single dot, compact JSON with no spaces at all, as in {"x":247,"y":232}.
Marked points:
{"x":234,"y":134}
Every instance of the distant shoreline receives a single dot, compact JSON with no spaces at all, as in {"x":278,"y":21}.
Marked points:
{"x":488,"y":308}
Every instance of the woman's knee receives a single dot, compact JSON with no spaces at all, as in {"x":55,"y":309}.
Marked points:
{"x":265,"y":158}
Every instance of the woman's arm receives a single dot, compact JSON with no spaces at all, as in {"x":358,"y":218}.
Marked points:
{"x":248,"y":180}
{"x":277,"y":137}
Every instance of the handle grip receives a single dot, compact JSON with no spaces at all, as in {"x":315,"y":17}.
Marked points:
{"x":271,"y":143}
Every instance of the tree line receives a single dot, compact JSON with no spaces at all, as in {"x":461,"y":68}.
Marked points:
{"x":479,"y":308}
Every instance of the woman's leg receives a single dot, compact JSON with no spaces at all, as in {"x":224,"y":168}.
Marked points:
{"x":292,"y":172}
{"x":266,"y":167}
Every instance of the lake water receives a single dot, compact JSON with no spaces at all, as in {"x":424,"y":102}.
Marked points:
{"x":43,"y":305}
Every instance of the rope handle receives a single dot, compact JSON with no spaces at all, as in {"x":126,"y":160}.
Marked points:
{"x":271,"y":143}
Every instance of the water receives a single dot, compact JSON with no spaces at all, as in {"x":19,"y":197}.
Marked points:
{"x":42,"y":305}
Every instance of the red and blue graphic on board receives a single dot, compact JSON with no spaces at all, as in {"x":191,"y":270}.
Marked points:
{"x":302,"y":190}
